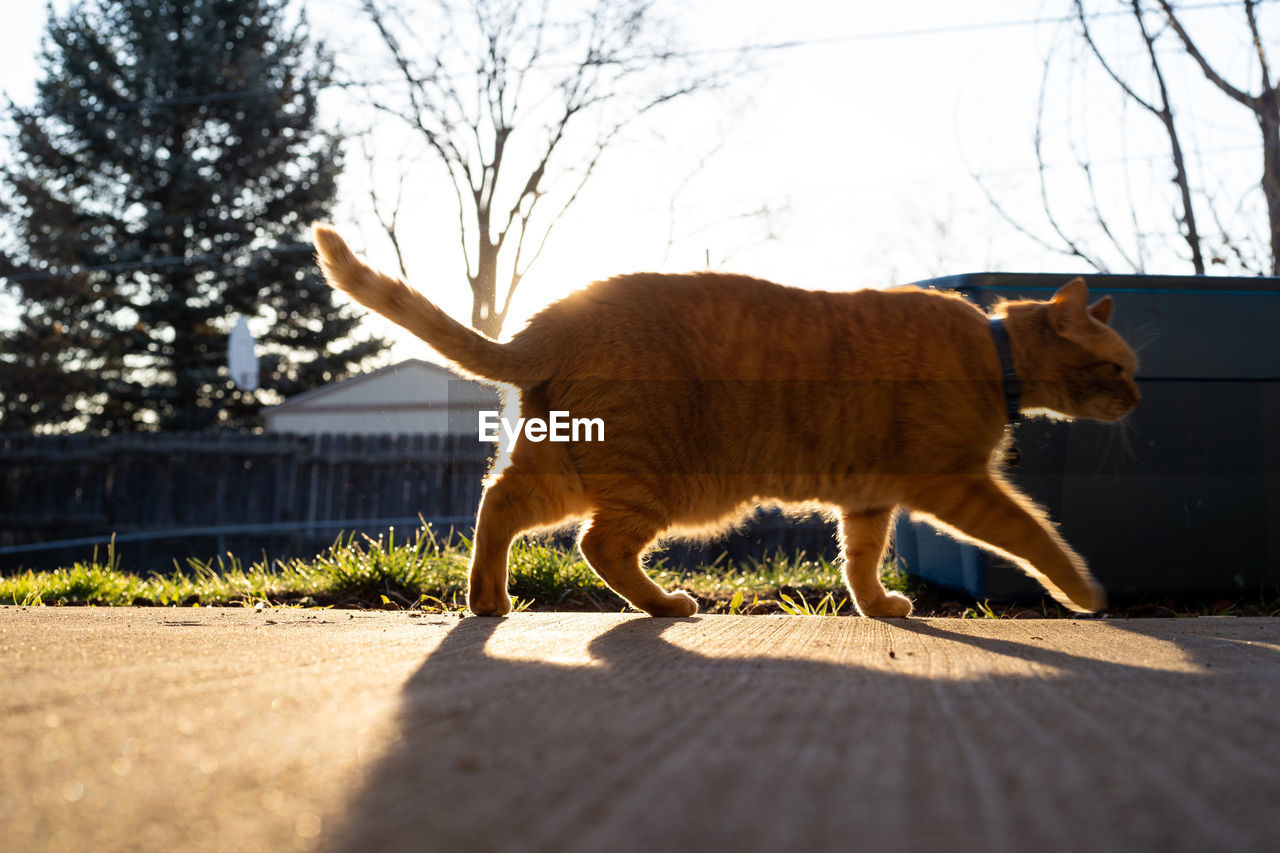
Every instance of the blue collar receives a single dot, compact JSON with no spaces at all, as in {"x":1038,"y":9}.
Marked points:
{"x":1012,"y":385}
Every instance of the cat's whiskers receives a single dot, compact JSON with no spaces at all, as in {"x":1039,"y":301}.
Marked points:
{"x":1126,"y":429}
{"x":1144,"y":336}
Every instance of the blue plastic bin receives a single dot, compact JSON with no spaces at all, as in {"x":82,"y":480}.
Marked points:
{"x":1184,"y":497}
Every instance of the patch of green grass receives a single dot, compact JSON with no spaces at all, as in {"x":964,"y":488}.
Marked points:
{"x":365,"y":571}
{"x":82,"y":583}
{"x":425,"y":573}
{"x":419,"y":574}
{"x":94,"y":582}
{"x":983,"y":610}
{"x":895,"y":576}
{"x":551,"y":578}
{"x":783,"y":582}
{"x":826,"y":606}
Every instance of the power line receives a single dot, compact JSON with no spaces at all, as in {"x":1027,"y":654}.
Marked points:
{"x":162,"y":262}
{"x":769,"y":47}
{"x":949,"y":29}
{"x":293,"y":248}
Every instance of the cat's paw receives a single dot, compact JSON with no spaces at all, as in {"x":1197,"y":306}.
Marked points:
{"x":1088,"y":597}
{"x":893,"y":606}
{"x":490,"y":605}
{"x":676,"y":604}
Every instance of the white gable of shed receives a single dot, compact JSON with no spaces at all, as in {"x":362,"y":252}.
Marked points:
{"x":413,"y":396}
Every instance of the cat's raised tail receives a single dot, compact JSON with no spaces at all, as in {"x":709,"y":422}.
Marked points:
{"x":395,"y":300}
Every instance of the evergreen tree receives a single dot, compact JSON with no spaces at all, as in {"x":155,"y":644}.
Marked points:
{"x":160,"y":187}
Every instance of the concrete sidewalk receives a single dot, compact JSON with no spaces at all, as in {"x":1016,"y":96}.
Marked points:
{"x":155,"y":729}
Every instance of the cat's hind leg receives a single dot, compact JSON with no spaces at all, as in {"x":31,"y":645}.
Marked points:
{"x":992,"y":513}
{"x":612,"y":543}
{"x":863,"y":536}
{"x":513,"y":503}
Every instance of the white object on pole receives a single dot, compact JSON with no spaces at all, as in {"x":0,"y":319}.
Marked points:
{"x":241,"y":359}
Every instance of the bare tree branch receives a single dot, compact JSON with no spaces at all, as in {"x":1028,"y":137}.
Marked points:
{"x":1257,"y":44}
{"x":1265,"y":107}
{"x":1163,"y":112}
{"x":390,"y":220}
{"x":1073,"y":247}
{"x":1140,"y":242}
{"x":1194,"y":53}
{"x":442,"y":143}
{"x":1156,"y":99}
{"x":1000,"y":209}
{"x":1248,"y":261}
{"x":1083,"y":20}
{"x":604,"y":69}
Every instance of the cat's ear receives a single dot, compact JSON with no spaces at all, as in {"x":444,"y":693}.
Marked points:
{"x":1067,"y":308}
{"x":1101,"y":310}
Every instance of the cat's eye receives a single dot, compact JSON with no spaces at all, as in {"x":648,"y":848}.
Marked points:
{"x":1111,"y":367}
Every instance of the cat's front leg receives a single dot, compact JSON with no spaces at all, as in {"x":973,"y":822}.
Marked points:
{"x":992,"y":513}
{"x":863,"y":536}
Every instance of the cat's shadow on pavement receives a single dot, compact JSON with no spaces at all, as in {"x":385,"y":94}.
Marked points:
{"x":731,"y":751}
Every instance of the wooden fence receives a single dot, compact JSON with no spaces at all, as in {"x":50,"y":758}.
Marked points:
{"x":172,"y":496}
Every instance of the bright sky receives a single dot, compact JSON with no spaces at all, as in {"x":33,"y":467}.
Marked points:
{"x":862,"y":138}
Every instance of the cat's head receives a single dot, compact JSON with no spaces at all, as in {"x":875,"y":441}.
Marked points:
{"x":1083,"y":368}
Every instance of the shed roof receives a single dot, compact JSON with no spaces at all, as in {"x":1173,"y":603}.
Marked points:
{"x":412,"y":381}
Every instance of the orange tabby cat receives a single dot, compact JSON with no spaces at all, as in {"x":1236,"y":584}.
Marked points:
{"x":718,"y":392}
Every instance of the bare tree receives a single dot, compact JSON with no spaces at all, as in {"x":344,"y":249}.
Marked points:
{"x":756,"y":224}
{"x":1265,"y":106}
{"x":1163,"y":111}
{"x":1088,"y":225}
{"x":520,"y":106}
